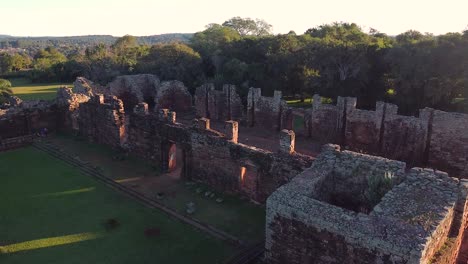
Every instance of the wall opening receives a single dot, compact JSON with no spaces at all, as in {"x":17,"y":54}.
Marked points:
{"x":174,"y":160}
{"x":129,"y":101}
{"x":248,"y":180}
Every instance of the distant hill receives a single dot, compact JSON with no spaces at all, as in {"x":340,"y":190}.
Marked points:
{"x":81,"y":42}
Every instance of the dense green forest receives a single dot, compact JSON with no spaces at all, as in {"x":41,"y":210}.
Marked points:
{"x":412,"y":69}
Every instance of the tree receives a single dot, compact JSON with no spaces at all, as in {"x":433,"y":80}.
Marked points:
{"x":5,"y":90}
{"x":248,"y":26}
{"x":175,"y":61}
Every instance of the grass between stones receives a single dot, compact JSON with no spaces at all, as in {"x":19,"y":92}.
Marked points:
{"x":234,"y":215}
{"x":26,"y":90}
{"x":51,"y":213}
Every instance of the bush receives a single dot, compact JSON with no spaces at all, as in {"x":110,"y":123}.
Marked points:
{"x":4,"y":84}
{"x":111,"y":224}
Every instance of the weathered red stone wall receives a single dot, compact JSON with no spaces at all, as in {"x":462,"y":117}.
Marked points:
{"x":25,"y":121}
{"x":448,"y":148}
{"x":218,"y":105}
{"x":436,"y":139}
{"x":173,"y":95}
{"x":101,"y":119}
{"x":404,"y":137}
{"x":294,"y":242}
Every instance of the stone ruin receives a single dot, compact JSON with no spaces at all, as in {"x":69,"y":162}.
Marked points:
{"x":134,"y":89}
{"x":261,"y":111}
{"x":355,"y":208}
{"x":346,"y":208}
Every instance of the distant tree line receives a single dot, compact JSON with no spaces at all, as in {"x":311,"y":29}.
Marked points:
{"x":413,"y":70}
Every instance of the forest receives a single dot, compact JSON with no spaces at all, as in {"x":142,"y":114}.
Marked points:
{"x":413,"y":69}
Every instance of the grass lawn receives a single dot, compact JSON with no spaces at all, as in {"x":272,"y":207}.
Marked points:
{"x":51,"y":213}
{"x":234,"y":215}
{"x":297,"y":103}
{"x":24,"y":89}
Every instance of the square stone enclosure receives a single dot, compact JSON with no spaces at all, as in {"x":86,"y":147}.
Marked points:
{"x":355,"y":208}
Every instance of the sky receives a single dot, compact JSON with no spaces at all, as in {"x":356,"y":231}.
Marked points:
{"x":152,"y":17}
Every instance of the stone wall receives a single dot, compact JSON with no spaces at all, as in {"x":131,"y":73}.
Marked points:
{"x":209,"y":156}
{"x":435,"y":139}
{"x":101,"y":119}
{"x":325,"y":122}
{"x":134,"y":89}
{"x":266,"y":112}
{"x":448,"y":149}
{"x":218,"y":105}
{"x":408,"y":225}
{"x":28,"y":118}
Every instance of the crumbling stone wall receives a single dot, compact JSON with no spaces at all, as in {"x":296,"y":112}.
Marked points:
{"x":218,"y":105}
{"x":448,"y":148}
{"x":134,"y":89}
{"x":173,"y":95}
{"x":436,"y":139}
{"x":408,"y":225}
{"x":101,"y":119}
{"x":28,"y":118}
{"x":325,"y":122}
{"x":404,"y":137}
{"x":68,"y":104}
{"x":266,"y":112}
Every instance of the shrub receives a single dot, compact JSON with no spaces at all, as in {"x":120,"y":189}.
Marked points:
{"x":111,"y":224}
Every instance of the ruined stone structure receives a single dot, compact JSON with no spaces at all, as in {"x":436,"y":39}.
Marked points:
{"x":355,"y":208}
{"x":261,"y":111}
{"x":218,"y":105}
{"x":346,"y":208}
{"x":434,"y":139}
{"x":209,"y":156}
{"x":27,"y":118}
{"x":134,"y":89}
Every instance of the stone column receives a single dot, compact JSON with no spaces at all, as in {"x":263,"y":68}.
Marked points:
{"x":171,"y":117}
{"x":98,"y":98}
{"x":231,"y":130}
{"x":287,"y":141}
{"x":141,"y":109}
{"x":163,"y":114}
{"x":204,"y":123}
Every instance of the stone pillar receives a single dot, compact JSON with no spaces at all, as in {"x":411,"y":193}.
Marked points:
{"x":163,"y":114}
{"x":204,"y":123}
{"x":351,"y":103}
{"x":316,"y":101}
{"x":98,"y":98}
{"x":252,"y":98}
{"x":171,"y":117}
{"x":287,"y":141}
{"x":231,"y":129}
{"x":141,"y":109}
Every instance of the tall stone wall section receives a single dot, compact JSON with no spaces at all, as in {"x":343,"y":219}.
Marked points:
{"x":218,"y":105}
{"x":266,"y":112}
{"x":436,"y":139}
{"x":448,"y":149}
{"x":28,"y":118}
{"x":325,"y":122}
{"x":101,"y":120}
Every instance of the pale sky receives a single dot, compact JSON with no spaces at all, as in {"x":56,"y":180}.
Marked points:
{"x":152,"y":17}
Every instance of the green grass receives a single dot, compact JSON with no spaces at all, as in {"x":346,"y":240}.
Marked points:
{"x":24,"y":89}
{"x":297,"y":103}
{"x":234,"y":215}
{"x":51,"y":213}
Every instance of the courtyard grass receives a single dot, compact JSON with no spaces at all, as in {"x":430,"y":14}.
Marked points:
{"x":26,"y":90}
{"x":234,"y":215}
{"x":51,"y":213}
